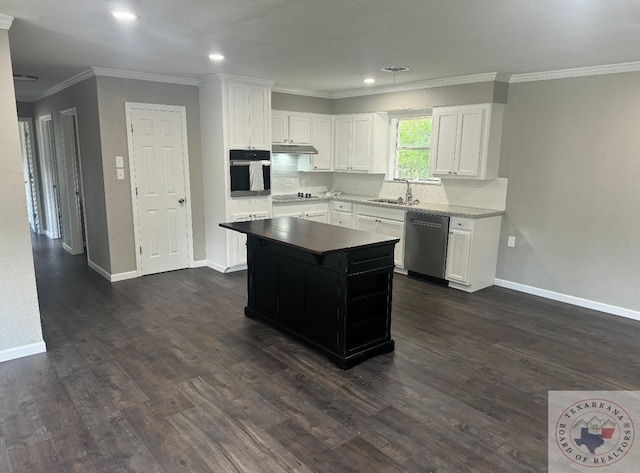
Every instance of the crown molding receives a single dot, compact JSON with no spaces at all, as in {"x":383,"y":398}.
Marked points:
{"x":425,"y":84}
{"x":63,"y":85}
{"x":305,"y":92}
{"x":576,"y":72}
{"x":230,"y":77}
{"x":121,"y":74}
{"x":5,"y":21}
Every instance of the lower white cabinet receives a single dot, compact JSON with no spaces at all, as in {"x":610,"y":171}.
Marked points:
{"x":384,"y":221}
{"x":342,"y":219}
{"x":472,"y":252}
{"x":238,"y":253}
{"x":316,"y":211}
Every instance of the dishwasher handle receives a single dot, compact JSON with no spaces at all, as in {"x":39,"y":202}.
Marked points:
{"x":425,"y":224}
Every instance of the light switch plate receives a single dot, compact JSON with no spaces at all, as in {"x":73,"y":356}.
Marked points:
{"x":511,"y":241}
{"x":120,"y":162}
{"x":120,"y":174}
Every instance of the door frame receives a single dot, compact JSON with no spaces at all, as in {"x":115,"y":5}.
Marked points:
{"x":77,"y":246}
{"x":49,"y":165}
{"x":182,"y":110}
{"x":39,"y":228}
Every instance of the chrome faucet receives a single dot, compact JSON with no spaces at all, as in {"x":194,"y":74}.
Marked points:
{"x":408,"y":197}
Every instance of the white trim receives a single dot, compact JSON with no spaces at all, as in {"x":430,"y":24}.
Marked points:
{"x":225,"y":269}
{"x":67,"y":248}
{"x":37,"y":180}
{"x":99,"y":270}
{"x":48,"y":163}
{"x":130,"y":107}
{"x":123,"y":276}
{"x":5,"y":21}
{"x":232,"y":78}
{"x":198,"y":264}
{"x":305,"y":92}
{"x":576,"y":72}
{"x":63,"y":85}
{"x":578,"y":301}
{"x":24,"y":350}
{"x":122,"y":74}
{"x":425,"y":84}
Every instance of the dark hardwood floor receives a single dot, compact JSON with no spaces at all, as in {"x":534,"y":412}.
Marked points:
{"x":165,"y":374}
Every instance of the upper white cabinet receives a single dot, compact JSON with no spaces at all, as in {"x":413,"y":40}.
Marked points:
{"x":249,"y":116}
{"x":291,"y":128}
{"x":361,"y":142}
{"x":322,"y":140}
{"x":466,"y":141}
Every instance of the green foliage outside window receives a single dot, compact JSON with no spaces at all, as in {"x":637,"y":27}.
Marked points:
{"x":413,"y":147}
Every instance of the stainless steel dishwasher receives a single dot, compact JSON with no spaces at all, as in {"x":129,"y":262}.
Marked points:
{"x":426,"y":244}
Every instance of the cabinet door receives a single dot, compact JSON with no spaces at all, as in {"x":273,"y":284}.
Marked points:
{"x":317,"y":216}
{"x":458,"y":254}
{"x":288,"y":214}
{"x":299,"y":130}
{"x":260,"y":215}
{"x":238,"y":242}
{"x":367,"y":224}
{"x":471,"y":124}
{"x":322,"y":140}
{"x":259,"y":118}
{"x":341,"y":219}
{"x":443,"y":142}
{"x":279,"y":128}
{"x":342,"y":144}
{"x":238,"y":117}
{"x":395,"y":229}
{"x":361,"y":152}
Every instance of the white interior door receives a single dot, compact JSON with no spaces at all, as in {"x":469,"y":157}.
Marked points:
{"x":29,"y":172}
{"x":49,"y":168}
{"x":159,"y":173}
{"x":74,"y":181}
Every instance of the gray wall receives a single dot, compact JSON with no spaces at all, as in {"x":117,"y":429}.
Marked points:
{"x":571,"y":151}
{"x":25,"y":109}
{"x":112,"y":95}
{"x":83,"y":96}
{"x":481,"y":92}
{"x":301,"y":103}
{"x":19,"y":312}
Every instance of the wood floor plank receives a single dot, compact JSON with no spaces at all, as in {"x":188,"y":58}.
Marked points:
{"x":5,"y":464}
{"x":38,"y":458}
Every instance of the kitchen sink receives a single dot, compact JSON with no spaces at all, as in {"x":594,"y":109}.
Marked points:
{"x":389,"y":201}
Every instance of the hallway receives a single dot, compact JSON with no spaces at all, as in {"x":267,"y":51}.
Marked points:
{"x":164,"y":374}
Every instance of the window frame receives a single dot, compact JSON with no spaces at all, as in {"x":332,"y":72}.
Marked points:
{"x":392,"y":173}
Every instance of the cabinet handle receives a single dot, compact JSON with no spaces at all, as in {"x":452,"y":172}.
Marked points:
{"x":455,"y":172}
{"x":450,"y":172}
{"x":315,"y":167}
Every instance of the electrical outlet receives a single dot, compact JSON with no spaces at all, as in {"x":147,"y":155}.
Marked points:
{"x":120,"y":174}
{"x":511,"y":241}
{"x":119,"y":162}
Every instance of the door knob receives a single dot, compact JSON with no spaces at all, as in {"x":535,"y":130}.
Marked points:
{"x":181,"y":202}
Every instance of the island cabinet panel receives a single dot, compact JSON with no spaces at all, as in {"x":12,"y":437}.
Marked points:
{"x":337,"y":302}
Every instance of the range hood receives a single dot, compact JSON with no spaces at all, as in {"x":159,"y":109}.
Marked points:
{"x":294,"y":149}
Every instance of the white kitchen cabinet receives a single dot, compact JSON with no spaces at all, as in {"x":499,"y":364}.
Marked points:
{"x":238,"y":244}
{"x":316,"y":211}
{"x":466,"y":141}
{"x":249,"y":117}
{"x":322,"y":140}
{"x":384,"y":221}
{"x":341,"y":219}
{"x":361,"y":142}
{"x":472,"y":252}
{"x":317,"y":216}
{"x":291,"y":128}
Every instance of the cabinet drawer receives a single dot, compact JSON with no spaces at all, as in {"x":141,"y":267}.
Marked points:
{"x":461,"y":223}
{"x":343,"y":206}
{"x":381,"y":212}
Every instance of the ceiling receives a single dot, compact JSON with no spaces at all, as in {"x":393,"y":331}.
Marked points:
{"x":320,"y":45}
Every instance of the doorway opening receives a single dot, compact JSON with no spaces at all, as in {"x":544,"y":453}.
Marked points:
{"x":30,"y":172}
{"x":52,"y":218}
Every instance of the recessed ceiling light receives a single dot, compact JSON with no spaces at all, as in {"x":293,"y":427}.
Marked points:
{"x":395,"y":69}
{"x":124,"y":15}
{"x":216,"y":57}
{"x":369,"y":80}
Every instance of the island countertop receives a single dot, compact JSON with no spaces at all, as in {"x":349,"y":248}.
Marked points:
{"x":314,"y":237}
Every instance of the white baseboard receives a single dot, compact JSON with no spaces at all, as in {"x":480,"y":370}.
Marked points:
{"x":226,"y":269}
{"x":99,"y":270}
{"x":123,"y":276}
{"x":25,"y":350}
{"x":557,"y":296}
{"x":198,"y":264}
{"x":67,"y":248}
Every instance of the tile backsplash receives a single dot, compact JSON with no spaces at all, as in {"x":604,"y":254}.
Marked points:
{"x":286,"y":179}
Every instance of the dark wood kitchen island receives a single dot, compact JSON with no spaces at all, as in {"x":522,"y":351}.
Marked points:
{"x":327,"y":286}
